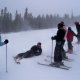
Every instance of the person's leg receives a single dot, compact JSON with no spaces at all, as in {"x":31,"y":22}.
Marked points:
{"x":63,"y":52}
{"x":78,"y":38}
{"x":28,"y":54}
{"x":58,"y":54}
{"x":56,"y":51}
{"x":70,"y":47}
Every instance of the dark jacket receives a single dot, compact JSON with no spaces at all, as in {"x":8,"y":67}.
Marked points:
{"x":60,"y":35}
{"x":77,"y":27}
{"x":37,"y":50}
{"x":34,"y":51}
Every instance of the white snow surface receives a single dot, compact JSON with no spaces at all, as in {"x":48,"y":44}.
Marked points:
{"x":29,"y":69}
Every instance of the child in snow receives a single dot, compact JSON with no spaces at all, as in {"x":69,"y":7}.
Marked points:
{"x":63,"y":51}
{"x":69,"y":37}
{"x":35,"y":50}
{"x":59,"y":37}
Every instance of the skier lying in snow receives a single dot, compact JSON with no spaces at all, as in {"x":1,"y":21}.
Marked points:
{"x":35,"y":50}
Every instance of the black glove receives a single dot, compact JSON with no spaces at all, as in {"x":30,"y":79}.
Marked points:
{"x":52,"y":38}
{"x":6,"y":41}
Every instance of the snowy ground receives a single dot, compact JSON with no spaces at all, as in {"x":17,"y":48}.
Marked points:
{"x":29,"y":69}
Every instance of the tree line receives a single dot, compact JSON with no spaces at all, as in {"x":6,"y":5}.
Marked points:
{"x":28,"y":21}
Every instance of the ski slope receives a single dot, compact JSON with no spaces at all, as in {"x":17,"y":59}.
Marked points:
{"x":29,"y":69}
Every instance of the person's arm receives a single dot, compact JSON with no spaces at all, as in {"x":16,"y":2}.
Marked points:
{"x":38,"y":51}
{"x":53,"y":37}
{"x":74,"y":33}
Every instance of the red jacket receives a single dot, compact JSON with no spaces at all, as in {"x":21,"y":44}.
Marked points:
{"x":69,"y":36}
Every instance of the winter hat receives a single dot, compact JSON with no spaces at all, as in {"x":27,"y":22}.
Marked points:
{"x":39,"y":43}
{"x":69,"y":28}
{"x":60,"y":25}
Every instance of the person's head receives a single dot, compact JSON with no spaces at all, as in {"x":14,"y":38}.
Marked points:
{"x":60,"y":25}
{"x":39,"y":44}
{"x":69,"y":29}
{"x":76,"y":22}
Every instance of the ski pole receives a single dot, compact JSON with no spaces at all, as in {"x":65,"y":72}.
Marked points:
{"x":6,"y":58}
{"x":52,"y":52}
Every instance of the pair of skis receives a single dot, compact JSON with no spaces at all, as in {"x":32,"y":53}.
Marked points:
{"x":55,"y":66}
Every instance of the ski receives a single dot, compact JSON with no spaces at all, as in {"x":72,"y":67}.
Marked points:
{"x":51,"y":65}
{"x":70,"y":60}
{"x":60,"y":65}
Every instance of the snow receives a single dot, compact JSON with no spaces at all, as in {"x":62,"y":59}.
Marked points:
{"x":29,"y":69}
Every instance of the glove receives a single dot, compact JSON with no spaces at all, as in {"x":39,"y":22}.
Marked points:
{"x":52,"y":38}
{"x":6,"y":41}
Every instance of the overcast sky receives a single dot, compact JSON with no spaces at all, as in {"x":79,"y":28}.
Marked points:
{"x":37,"y":7}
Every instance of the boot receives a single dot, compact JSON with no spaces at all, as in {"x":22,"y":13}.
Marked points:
{"x":70,"y":51}
{"x":57,"y":64}
{"x":61,"y":63}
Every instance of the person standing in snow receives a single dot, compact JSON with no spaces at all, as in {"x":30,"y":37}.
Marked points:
{"x":78,"y":30}
{"x":35,"y":50}
{"x":59,"y":37}
{"x":63,"y":51}
{"x":69,"y":37}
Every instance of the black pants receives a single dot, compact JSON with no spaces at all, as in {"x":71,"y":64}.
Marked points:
{"x":63,"y":51}
{"x":70,"y":47}
{"x":26,"y":54}
{"x":58,"y":52}
{"x":20,"y":55}
{"x":78,"y":37}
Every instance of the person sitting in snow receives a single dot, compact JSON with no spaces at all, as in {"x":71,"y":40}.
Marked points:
{"x":3,"y":43}
{"x":35,"y":50}
{"x":69,"y":37}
